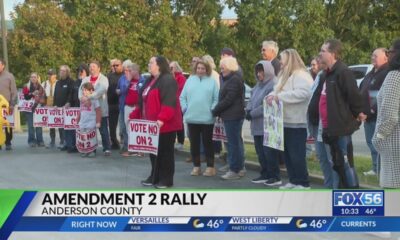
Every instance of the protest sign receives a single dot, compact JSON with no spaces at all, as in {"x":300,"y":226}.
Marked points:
{"x":219,"y":131}
{"x":40,"y":117}
{"x":70,"y":117}
{"x":55,"y":117}
{"x":25,"y":105}
{"x":8,"y":117}
{"x":273,"y":124}
{"x":86,"y":140}
{"x":143,"y":136}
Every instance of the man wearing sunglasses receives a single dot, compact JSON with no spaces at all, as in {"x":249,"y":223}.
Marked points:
{"x":112,"y":98}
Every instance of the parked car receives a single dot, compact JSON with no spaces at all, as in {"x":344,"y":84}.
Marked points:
{"x":360,"y":71}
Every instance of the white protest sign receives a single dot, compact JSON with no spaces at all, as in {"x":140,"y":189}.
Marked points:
{"x":70,"y":116}
{"x":55,"y":117}
{"x":25,"y":105}
{"x":273,"y":125}
{"x":40,"y":117}
{"x":8,"y":117}
{"x":86,"y":141}
{"x":143,"y":136}
{"x":219,"y":131}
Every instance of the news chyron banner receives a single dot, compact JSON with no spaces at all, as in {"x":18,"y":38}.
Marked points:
{"x":199,"y":211}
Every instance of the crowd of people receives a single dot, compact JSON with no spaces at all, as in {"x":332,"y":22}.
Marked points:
{"x":322,"y":105}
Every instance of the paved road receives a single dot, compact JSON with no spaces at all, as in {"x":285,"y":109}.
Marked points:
{"x":359,"y":144}
{"x":40,"y":168}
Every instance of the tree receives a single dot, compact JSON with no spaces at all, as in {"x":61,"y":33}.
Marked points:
{"x":41,"y":39}
{"x":292,"y":24}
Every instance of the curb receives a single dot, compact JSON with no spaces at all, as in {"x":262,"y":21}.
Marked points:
{"x":254,"y":166}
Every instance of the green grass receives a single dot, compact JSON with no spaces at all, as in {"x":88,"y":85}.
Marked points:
{"x":362,"y":164}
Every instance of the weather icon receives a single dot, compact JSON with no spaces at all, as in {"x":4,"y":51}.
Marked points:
{"x":198,"y":224}
{"x":300,"y":224}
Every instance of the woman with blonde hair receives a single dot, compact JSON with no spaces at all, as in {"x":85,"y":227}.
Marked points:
{"x":294,"y":90}
{"x":34,"y":90}
{"x":230,"y":109}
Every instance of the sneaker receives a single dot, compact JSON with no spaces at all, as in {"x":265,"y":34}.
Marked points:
{"x":161,"y":186}
{"x":273,"y":182}
{"x":225,"y":168}
{"x":83,"y":155}
{"x":209,"y":172}
{"x":243,"y":172}
{"x":147,"y":182}
{"x":260,"y":179}
{"x":107,"y":153}
{"x":91,"y":155}
{"x":288,"y":186}
{"x":32,"y":145}
{"x":40,"y":145}
{"x":179,"y":146}
{"x":196,"y":171}
{"x":63,"y":148}
{"x":51,"y":145}
{"x":230,"y":176}
{"x":369,"y":173}
{"x":8,"y":147}
{"x":128,"y":154}
{"x":301,"y":187}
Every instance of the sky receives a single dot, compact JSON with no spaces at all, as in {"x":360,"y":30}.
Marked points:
{"x":9,"y":6}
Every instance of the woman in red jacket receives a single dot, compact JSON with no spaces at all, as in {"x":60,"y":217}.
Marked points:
{"x":159,"y":102}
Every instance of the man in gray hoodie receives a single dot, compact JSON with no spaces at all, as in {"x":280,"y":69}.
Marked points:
{"x":265,"y":75}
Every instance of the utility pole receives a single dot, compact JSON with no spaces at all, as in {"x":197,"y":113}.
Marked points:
{"x":4,"y":33}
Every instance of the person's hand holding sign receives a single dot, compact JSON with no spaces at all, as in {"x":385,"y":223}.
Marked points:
{"x":272,"y":98}
{"x":160,"y":123}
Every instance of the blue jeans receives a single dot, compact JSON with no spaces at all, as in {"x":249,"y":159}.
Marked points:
{"x":123,"y":133}
{"x":105,"y":135}
{"x":295,"y":155}
{"x":268,"y":158}
{"x":233,"y":129}
{"x":70,"y":139}
{"x":369,"y":129}
{"x":331,"y":178}
{"x":35,"y":134}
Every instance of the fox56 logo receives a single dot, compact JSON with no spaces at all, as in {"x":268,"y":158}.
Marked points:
{"x":358,"y":198}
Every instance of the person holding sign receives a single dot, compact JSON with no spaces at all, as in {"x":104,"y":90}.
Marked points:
{"x":294,"y":90}
{"x":89,"y":118}
{"x":100,"y":84}
{"x":159,"y":102}
{"x":128,"y":90}
{"x":33,"y":90}
{"x":199,"y":96}
{"x":9,"y":91}
{"x":230,"y":109}
{"x":268,"y":157}
{"x":49,"y":87}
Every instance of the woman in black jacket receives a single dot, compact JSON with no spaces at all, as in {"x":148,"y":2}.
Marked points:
{"x":230,"y":109}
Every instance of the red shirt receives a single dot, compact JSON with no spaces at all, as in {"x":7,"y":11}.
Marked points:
{"x":93,"y":79}
{"x":323,"y":107}
{"x":132,"y":96}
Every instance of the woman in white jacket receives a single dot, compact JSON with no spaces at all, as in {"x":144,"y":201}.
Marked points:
{"x":294,"y":90}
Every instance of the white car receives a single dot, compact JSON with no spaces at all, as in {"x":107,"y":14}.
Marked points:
{"x":360,"y":71}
